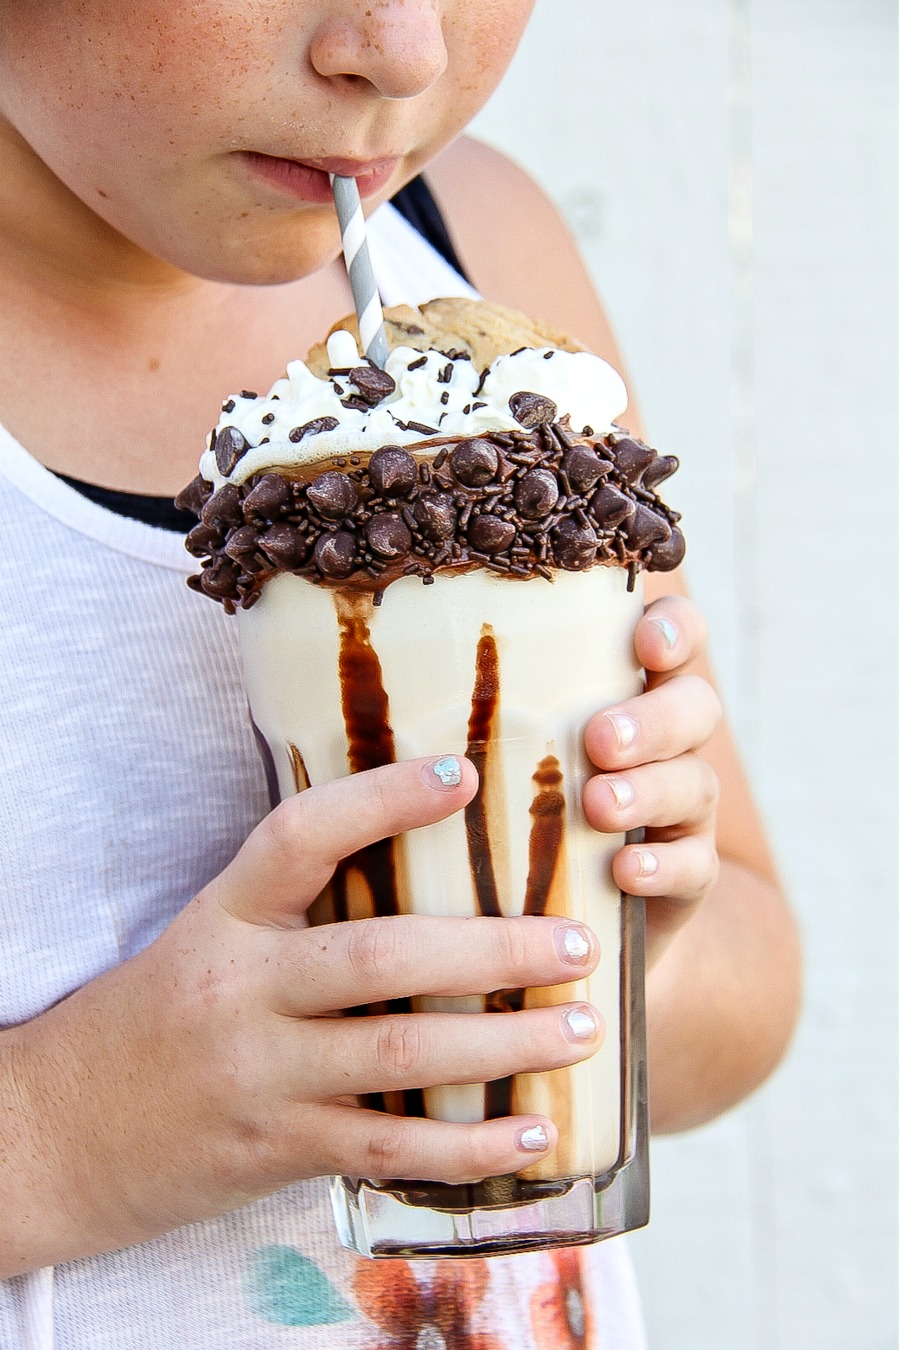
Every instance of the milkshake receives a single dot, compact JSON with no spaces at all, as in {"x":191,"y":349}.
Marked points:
{"x":445,"y":555}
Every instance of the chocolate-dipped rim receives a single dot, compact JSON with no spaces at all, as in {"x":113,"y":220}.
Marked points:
{"x":520,"y":503}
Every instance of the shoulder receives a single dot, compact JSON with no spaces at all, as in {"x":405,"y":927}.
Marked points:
{"x":514,"y":243}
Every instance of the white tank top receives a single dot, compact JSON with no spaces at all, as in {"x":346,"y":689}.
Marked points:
{"x":129,"y":779}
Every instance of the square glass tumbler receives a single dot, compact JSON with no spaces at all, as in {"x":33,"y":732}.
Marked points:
{"x":507,"y":673}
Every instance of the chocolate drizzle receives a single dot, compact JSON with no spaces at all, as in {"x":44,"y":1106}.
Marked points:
{"x":545,"y":847}
{"x":482,"y":735}
{"x":370,"y":743}
{"x":545,"y":840}
{"x":367,"y":882}
{"x":298,"y":768}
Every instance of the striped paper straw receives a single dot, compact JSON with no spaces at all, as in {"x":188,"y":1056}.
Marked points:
{"x":359,"y":269}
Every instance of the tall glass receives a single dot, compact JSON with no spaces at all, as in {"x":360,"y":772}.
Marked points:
{"x":508,"y":672}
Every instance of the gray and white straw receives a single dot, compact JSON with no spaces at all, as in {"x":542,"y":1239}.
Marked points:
{"x":359,"y":269}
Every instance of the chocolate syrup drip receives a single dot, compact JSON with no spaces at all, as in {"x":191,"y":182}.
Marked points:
{"x":298,"y":767}
{"x":548,"y":819}
{"x":485,"y":706}
{"x":370,"y":741}
{"x":370,"y":744}
{"x":545,"y":842}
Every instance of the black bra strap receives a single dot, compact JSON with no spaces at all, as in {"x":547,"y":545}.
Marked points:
{"x":159,"y":511}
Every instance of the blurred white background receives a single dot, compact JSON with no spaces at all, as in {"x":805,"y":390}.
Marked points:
{"x":729,"y":168}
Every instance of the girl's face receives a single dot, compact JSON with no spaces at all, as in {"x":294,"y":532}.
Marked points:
{"x":204,"y":131}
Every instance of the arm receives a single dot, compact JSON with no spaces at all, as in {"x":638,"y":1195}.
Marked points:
{"x":723,"y":988}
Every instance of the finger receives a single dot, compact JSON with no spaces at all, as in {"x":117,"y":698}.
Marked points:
{"x":681,"y":871}
{"x":679,"y":794}
{"x":422,"y":1050}
{"x":370,"y":1144}
{"x":671,"y":633}
{"x":673,"y":719}
{"x":291,"y":855}
{"x":368,"y":961}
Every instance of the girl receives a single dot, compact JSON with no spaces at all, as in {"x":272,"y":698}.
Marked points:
{"x":172,"y":1090}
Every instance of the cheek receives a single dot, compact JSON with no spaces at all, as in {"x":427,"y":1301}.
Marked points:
{"x":108,"y":75}
{"x":482,"y":37}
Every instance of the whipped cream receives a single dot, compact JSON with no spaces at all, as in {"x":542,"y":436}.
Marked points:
{"x":433,"y":396}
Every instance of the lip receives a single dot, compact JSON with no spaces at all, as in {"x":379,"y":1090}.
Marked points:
{"x":308,"y":180}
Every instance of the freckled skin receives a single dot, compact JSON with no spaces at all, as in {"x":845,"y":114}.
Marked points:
{"x":139,"y":109}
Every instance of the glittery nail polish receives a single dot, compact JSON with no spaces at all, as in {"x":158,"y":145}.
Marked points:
{"x":580,"y":1025}
{"x":533,"y":1140}
{"x":448,"y":771}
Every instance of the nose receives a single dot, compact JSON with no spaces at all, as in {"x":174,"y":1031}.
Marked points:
{"x":397,"y":46}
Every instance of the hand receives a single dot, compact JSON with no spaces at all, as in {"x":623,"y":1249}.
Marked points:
{"x":653,"y":776}
{"x":206,"y":1071}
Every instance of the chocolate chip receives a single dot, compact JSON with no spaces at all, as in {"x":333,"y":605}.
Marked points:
{"x":241,"y":542}
{"x":335,"y":554}
{"x":657,"y":472}
{"x":632,"y":458}
{"x":312,"y":428}
{"x":574,"y":547}
{"x":475,"y":462}
{"x":388,"y":536}
{"x":435,"y":516}
{"x":392,"y":472}
{"x":665,"y":554}
{"x":646,"y":527}
{"x":373,"y":383}
{"x":230,"y":446}
{"x":267,"y":498}
{"x":220,"y":580}
{"x":283,"y":545}
{"x":610,"y":507}
{"x":195,"y":496}
{"x":536,"y":494}
{"x":333,"y":494}
{"x":531,"y":410}
{"x":203,"y":539}
{"x":583,"y":466}
{"x":490,"y":534}
{"x":224,"y":507}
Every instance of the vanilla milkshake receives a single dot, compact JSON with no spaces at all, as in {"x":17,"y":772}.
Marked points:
{"x":445,"y":556}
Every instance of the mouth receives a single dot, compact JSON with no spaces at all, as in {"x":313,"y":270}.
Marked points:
{"x":308,"y":180}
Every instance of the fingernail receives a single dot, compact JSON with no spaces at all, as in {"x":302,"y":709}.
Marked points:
{"x":622,"y":790}
{"x":580,"y":1025}
{"x":668,"y":630}
{"x":648,"y":863}
{"x":625,"y":727}
{"x":448,"y":772}
{"x":573,"y":944}
{"x":533,"y":1140}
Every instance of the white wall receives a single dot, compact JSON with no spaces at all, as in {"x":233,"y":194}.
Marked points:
{"x":729,"y":167}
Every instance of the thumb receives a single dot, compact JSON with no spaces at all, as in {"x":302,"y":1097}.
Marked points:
{"x":291,"y":855}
